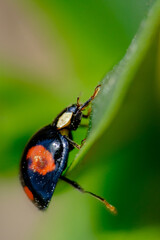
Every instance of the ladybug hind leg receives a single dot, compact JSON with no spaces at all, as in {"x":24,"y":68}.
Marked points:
{"x":74,"y":184}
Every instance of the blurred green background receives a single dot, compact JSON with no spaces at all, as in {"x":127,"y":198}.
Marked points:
{"x":50,"y":53}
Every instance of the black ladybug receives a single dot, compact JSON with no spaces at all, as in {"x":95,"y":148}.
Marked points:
{"x":45,"y":156}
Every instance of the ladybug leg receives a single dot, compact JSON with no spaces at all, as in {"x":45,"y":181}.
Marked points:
{"x":111,"y":208}
{"x":97,"y":89}
{"x":85,"y":125}
{"x":73,"y":143}
{"x":83,"y":141}
{"x":88,"y":114}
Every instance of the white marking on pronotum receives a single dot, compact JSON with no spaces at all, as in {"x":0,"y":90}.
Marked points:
{"x":64,"y":120}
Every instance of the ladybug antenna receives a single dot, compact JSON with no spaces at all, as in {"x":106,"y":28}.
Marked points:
{"x":84,"y":105}
{"x":111,"y":208}
{"x":78,"y":104}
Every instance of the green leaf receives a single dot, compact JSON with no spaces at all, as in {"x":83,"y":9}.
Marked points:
{"x":115,"y":85}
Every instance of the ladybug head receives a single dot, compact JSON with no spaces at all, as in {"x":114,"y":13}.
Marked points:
{"x":76,"y":117}
{"x":71,"y":116}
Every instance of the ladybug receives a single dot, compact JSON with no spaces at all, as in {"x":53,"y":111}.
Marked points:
{"x":46,"y":154}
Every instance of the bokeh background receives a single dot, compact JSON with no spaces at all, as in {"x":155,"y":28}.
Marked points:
{"x":50,"y":53}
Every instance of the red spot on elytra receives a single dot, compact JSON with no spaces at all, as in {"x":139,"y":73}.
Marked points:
{"x":41,"y":160}
{"x":29,"y":193}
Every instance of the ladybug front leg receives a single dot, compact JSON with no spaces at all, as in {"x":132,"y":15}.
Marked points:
{"x":86,"y":116}
{"x":88,"y":113}
{"x":84,"y":125}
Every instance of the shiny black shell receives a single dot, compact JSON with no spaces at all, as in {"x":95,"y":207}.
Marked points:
{"x":39,"y":181}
